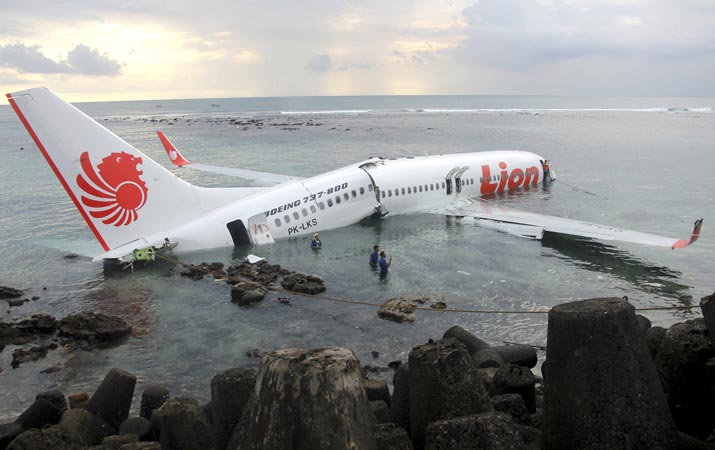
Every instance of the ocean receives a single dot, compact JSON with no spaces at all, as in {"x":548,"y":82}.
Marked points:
{"x":638,"y":163}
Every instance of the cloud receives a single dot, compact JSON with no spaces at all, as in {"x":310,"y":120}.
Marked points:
{"x":82,"y":60}
{"x":88,"y":61}
{"x":320,"y":63}
{"x":29,"y":60}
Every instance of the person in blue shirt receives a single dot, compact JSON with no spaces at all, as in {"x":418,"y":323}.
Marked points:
{"x":384,"y":264}
{"x":374,"y":256}
{"x":315,"y":243}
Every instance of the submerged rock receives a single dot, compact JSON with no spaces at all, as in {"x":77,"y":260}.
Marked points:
{"x":8,"y":292}
{"x":305,"y":284}
{"x":93,"y":328}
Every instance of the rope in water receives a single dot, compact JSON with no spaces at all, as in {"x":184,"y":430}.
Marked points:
{"x":419,"y":308}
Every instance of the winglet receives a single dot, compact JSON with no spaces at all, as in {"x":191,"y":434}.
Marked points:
{"x":174,"y":155}
{"x":696,"y":234}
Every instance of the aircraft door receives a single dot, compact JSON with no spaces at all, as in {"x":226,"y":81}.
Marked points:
{"x":458,"y":179}
{"x":258,"y":230}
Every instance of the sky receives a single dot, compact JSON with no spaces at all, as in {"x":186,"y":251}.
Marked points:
{"x":95,"y":50}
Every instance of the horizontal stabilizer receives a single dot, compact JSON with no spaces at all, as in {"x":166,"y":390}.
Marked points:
{"x":258,"y":178}
{"x":528,"y":224}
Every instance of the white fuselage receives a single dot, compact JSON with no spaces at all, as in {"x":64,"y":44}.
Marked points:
{"x":345,"y":196}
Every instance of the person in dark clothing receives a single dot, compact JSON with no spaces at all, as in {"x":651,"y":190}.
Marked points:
{"x":384,"y":264}
{"x":315,"y":243}
{"x":374,"y":256}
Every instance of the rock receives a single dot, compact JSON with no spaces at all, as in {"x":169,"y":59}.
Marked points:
{"x":153,"y":396}
{"x":40,"y":414}
{"x":139,"y":427}
{"x":93,"y":328}
{"x":380,"y":411}
{"x":117,"y":441}
{"x":654,"y":339}
{"x":142,"y":446}
{"x":681,"y":363}
{"x":307,"y":399}
{"x":51,"y":438}
{"x":512,"y":404}
{"x":486,"y":431}
{"x":113,"y":398}
{"x":244,"y":293}
{"x":602,"y":389}
{"x":17,"y":302}
{"x":397,"y":310}
{"x":305,"y":284}
{"x":512,"y":379}
{"x":707,"y":306}
{"x":389,"y":436}
{"x":230,"y":392}
{"x":78,"y":400}
{"x":473,"y":343}
{"x":8,"y":433}
{"x":444,"y":383}
{"x":643,"y":323}
{"x":400,"y":400}
{"x":8,"y":292}
{"x":85,"y":427}
{"x":487,"y":358}
{"x":21,"y":355}
{"x":518,"y":354}
{"x":376,"y":389}
{"x":183,"y":425}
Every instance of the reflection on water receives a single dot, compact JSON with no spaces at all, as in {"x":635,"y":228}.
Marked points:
{"x":640,"y":274}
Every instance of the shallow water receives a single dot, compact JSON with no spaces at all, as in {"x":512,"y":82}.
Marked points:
{"x":635,"y":164}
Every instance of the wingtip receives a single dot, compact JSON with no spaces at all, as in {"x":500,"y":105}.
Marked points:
{"x":174,"y":155}
{"x":694,"y":237}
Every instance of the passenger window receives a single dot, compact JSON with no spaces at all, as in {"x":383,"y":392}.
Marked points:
{"x":330,"y":203}
{"x":383,"y":194}
{"x":347,"y":197}
{"x":389,"y":193}
{"x":420,"y":188}
{"x":403,"y":191}
{"x":354,"y":193}
{"x":305,"y":212}
{"x":409,"y":190}
{"x":362,"y":191}
{"x":397,"y":192}
{"x":296,"y":216}
{"x":313,"y":209}
{"x":337,"y":199}
{"x":369,"y":187}
{"x":286,"y":219}
{"x":431,"y":187}
{"x":278,"y":222}
{"x":321,"y":205}
{"x":443,"y":185}
{"x":414,"y":189}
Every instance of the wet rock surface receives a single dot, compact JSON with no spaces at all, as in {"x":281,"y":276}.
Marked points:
{"x":41,"y":333}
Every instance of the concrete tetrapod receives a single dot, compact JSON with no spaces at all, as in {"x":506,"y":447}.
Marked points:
{"x":602,"y":388}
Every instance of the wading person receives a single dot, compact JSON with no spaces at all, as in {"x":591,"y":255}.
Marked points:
{"x":374,"y":256}
{"x":384,"y":264}
{"x":315,"y":243}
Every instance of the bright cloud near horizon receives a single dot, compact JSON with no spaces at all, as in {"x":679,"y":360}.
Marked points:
{"x":92,"y":50}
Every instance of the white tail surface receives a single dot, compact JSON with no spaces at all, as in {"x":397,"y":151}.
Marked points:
{"x":121,"y":193}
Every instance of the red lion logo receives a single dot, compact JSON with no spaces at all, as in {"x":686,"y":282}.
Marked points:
{"x":116,"y":192}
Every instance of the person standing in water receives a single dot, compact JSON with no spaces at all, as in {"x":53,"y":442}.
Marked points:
{"x":374,"y":256}
{"x":315,"y":243}
{"x":384,"y":264}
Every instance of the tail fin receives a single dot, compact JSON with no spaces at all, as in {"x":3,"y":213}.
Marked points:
{"x":122,"y":194}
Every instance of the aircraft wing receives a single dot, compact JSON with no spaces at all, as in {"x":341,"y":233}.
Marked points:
{"x":258,"y":178}
{"x":531,"y":225}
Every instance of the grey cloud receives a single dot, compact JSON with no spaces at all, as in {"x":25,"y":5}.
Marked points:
{"x":88,"y":61}
{"x":29,"y":60}
{"x":320,"y":63}
{"x":82,"y":60}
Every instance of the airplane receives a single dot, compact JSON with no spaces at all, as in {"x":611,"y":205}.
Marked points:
{"x":133,"y":205}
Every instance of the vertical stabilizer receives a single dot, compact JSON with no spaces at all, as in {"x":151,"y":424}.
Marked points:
{"x":122,"y":194}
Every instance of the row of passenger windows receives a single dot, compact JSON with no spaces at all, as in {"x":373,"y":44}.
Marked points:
{"x":422,"y":188}
{"x":320,"y":205}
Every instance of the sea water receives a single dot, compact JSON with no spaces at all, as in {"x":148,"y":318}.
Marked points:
{"x":644,"y":164}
